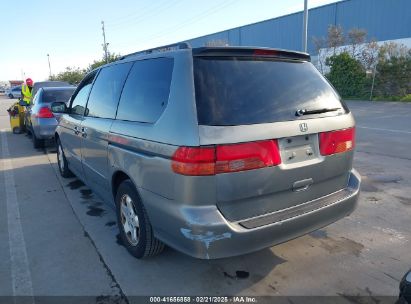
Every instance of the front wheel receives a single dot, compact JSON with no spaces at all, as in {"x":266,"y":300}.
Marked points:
{"x":62,"y":161}
{"x":135,"y":229}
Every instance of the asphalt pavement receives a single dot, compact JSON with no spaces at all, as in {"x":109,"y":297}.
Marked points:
{"x":58,"y":238}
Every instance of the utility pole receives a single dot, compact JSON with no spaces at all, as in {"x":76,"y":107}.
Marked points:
{"x":48,"y":58}
{"x":305,"y":26}
{"x":373,"y":80}
{"x":105,"y":44}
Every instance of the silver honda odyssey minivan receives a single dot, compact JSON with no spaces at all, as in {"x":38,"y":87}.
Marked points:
{"x":214,"y":151}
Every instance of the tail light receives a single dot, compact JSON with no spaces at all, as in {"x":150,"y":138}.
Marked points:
{"x":45,"y":112}
{"x":337,"y":141}
{"x":194,"y":161}
{"x":225,"y":158}
{"x":247,"y":156}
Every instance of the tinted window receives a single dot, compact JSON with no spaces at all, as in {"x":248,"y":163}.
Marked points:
{"x":79,"y":101}
{"x":60,"y":95}
{"x":106,"y":91}
{"x":238,"y":91}
{"x":145,"y":94}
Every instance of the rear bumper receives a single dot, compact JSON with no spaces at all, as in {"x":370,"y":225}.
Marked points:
{"x":44,"y":128}
{"x":203,"y":232}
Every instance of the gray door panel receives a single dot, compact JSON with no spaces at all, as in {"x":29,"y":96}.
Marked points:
{"x":94,"y":153}
{"x":70,"y":137}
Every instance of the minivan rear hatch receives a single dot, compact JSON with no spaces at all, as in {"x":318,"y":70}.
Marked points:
{"x":247,"y":99}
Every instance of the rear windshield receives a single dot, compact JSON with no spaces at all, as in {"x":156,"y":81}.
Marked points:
{"x":241,"y":91}
{"x":62,"y":95}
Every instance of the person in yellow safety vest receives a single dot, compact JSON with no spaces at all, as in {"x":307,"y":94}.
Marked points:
{"x":26,"y":91}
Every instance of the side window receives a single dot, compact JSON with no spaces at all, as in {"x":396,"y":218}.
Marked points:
{"x":79,"y":100}
{"x":146,"y":91}
{"x":106,"y":91}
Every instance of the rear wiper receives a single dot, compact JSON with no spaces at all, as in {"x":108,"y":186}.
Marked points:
{"x":301,"y":112}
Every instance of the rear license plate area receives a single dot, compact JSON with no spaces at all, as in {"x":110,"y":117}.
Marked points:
{"x":298,"y":149}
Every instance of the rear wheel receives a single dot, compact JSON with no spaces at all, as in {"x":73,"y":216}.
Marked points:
{"x":37,"y":142}
{"x":135,"y":228}
{"x":62,"y":161}
{"x":16,"y":130}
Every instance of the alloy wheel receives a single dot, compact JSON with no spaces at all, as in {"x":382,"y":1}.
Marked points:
{"x":129,"y":220}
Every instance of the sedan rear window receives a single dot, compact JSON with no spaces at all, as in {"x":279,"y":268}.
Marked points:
{"x":242,"y":91}
{"x":62,"y":95}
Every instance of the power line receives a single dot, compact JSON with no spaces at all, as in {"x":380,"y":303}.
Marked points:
{"x":139,"y":13}
{"x":192,"y":20}
{"x":126,"y":22}
{"x":187,"y":22}
{"x":127,"y":16}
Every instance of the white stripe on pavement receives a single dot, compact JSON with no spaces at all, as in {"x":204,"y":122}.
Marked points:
{"x":386,"y":130}
{"x":20,"y":271}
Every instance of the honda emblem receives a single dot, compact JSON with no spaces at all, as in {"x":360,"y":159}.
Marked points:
{"x":303,"y":127}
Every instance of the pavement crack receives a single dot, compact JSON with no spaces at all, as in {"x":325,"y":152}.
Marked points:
{"x":115,"y":284}
{"x":390,"y":276}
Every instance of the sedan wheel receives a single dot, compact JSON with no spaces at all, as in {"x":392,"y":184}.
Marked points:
{"x":60,"y":157}
{"x":37,"y":142}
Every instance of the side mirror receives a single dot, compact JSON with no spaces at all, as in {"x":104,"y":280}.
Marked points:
{"x":59,"y":107}
{"x":405,"y":288}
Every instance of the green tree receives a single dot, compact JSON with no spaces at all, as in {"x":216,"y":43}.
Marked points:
{"x":347,"y":75}
{"x":356,"y":37}
{"x":97,"y":63}
{"x":71,"y":75}
{"x":335,"y":37}
{"x":393,"y":71}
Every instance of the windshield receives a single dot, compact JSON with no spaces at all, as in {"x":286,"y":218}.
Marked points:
{"x":239,"y":91}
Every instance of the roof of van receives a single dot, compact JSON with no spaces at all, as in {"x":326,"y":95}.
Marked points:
{"x":237,"y":51}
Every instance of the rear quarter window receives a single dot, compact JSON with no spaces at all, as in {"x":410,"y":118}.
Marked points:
{"x":146,"y":91}
{"x":242,"y":91}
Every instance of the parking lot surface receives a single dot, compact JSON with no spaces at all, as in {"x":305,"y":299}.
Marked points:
{"x":58,"y":238}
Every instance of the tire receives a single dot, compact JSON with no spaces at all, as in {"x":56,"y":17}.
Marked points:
{"x":37,"y":142}
{"x":147,"y":244}
{"x":11,"y":96}
{"x":62,"y":161}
